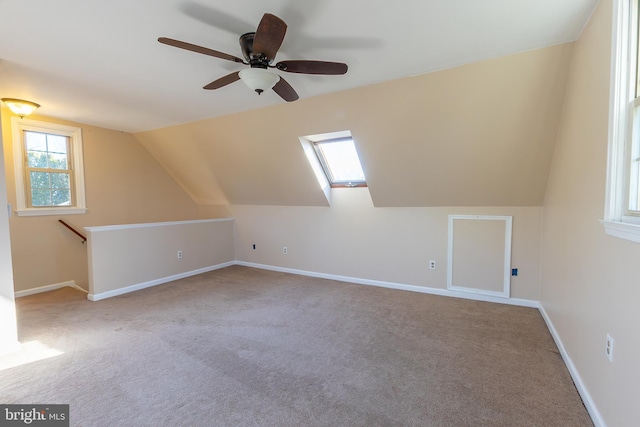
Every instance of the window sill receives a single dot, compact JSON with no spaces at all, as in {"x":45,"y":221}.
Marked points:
{"x":50,"y":211}
{"x":623,"y":230}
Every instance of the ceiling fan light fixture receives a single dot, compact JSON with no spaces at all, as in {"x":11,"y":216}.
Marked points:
{"x":259,"y":48}
{"x":259,"y":79}
{"x":21,"y":107}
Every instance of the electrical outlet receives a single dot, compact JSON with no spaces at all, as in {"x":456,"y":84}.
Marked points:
{"x":285,"y":250}
{"x":179,"y":254}
{"x":609,"y":348}
{"x":432,"y":264}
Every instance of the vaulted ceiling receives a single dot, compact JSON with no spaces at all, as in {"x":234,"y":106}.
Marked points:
{"x":477,"y":135}
{"x":99,"y":62}
{"x":450,"y":103}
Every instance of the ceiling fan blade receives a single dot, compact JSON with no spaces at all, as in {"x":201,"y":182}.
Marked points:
{"x":313,"y":67}
{"x":269,"y":36}
{"x":223,"y":81}
{"x":199,"y":49}
{"x":285,"y":90}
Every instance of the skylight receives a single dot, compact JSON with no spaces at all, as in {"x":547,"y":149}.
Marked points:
{"x":340,"y":161}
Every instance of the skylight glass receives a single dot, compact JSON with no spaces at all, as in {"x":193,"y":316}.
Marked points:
{"x":340,"y":162}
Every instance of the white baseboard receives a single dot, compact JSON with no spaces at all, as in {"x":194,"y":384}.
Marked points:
{"x":400,"y":286}
{"x":139,"y":286}
{"x":577,"y":379}
{"x":596,"y":417}
{"x":47,"y":288}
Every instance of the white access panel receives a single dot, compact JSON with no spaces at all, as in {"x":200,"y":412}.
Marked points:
{"x":480,"y":254}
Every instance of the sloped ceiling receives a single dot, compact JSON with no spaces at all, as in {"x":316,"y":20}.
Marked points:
{"x":480,"y":134}
{"x":98,"y":62}
{"x":450,"y":103}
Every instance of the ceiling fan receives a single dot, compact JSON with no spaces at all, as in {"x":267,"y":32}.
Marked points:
{"x":259,"y":50}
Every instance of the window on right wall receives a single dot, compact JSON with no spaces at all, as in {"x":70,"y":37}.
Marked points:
{"x":339,"y":160}
{"x":622,"y":209}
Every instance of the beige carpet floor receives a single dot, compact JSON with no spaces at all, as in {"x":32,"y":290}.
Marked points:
{"x":248,"y":347}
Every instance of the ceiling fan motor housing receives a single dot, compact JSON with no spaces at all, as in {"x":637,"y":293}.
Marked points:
{"x":259,"y":52}
{"x":255,"y":59}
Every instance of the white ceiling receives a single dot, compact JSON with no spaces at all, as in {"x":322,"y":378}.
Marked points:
{"x":98,"y":62}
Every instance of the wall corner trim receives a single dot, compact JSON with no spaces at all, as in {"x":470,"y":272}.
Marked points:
{"x":596,"y":417}
{"x":47,"y":288}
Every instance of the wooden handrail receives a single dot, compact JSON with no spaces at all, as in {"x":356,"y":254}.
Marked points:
{"x":84,"y":239}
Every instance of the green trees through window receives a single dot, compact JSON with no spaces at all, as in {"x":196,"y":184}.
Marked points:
{"x":48,"y":169}
{"x":48,"y":166}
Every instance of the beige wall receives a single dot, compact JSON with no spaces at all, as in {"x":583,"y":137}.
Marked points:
{"x":353,"y":238}
{"x":477,"y":135}
{"x":131,"y":257}
{"x":590,"y":280}
{"x":490,"y":128}
{"x":124,"y":184}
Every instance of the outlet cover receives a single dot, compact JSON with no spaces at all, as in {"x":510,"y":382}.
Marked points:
{"x":609,"y":348}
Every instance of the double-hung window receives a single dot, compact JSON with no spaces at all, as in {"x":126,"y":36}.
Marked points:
{"x":48,"y":166}
{"x":622,"y":209}
{"x":633,"y":145}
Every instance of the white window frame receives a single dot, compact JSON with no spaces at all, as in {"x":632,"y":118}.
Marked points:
{"x":618,"y":221}
{"x":319,"y":163}
{"x":75,"y":140}
{"x":328,"y":170}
